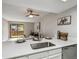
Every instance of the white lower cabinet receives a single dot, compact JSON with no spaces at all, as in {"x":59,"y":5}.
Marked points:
{"x":34,"y":56}
{"x":39,"y":55}
{"x":24,"y":57}
{"x":56,"y":56}
{"x":52,"y":54}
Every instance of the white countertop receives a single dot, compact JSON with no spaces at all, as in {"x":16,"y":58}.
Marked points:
{"x":11,"y":49}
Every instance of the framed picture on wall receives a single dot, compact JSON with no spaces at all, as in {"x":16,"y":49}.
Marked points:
{"x":64,"y":20}
{"x":13,"y":30}
{"x":16,"y":30}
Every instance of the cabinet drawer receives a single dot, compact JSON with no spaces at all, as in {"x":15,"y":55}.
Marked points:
{"x":24,"y":57}
{"x":44,"y":54}
{"x":39,"y":55}
{"x":52,"y":52}
{"x":56,"y":56}
{"x":35,"y":56}
{"x":45,"y":58}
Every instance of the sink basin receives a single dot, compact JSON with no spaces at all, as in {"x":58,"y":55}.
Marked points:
{"x":41,"y":45}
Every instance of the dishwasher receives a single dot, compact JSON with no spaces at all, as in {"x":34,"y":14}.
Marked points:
{"x":69,"y":52}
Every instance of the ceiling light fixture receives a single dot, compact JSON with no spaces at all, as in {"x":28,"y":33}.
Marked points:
{"x":64,"y":0}
{"x":31,"y":16}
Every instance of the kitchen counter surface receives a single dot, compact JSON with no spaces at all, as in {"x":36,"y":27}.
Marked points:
{"x":12,"y":49}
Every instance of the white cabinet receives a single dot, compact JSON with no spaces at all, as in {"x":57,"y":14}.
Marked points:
{"x":39,"y":55}
{"x":44,"y":54}
{"x":51,"y":54}
{"x":34,"y":56}
{"x":55,"y":51}
{"x":56,"y":56}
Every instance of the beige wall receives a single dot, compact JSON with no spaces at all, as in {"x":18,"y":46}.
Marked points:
{"x":71,"y":29}
{"x":5,"y":30}
{"x":28,"y":27}
{"x":49,"y":25}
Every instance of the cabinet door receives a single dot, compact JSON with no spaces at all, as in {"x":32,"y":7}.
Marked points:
{"x":45,"y":58}
{"x":24,"y":57}
{"x":44,"y":54}
{"x":55,"y":51}
{"x":39,"y":55}
{"x":56,"y":56}
{"x":35,"y":56}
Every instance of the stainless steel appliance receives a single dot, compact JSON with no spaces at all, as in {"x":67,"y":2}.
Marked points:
{"x":70,"y":52}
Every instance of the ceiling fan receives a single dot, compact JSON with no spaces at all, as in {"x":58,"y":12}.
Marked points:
{"x":30,"y":13}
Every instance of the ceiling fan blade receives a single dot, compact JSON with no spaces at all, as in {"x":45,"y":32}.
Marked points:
{"x":35,"y":14}
{"x":30,"y":12}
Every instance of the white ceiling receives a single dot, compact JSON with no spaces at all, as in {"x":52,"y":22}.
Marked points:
{"x":15,"y":9}
{"x":15,"y":13}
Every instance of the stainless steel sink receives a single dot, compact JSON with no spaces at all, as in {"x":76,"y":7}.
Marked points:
{"x":41,"y":45}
